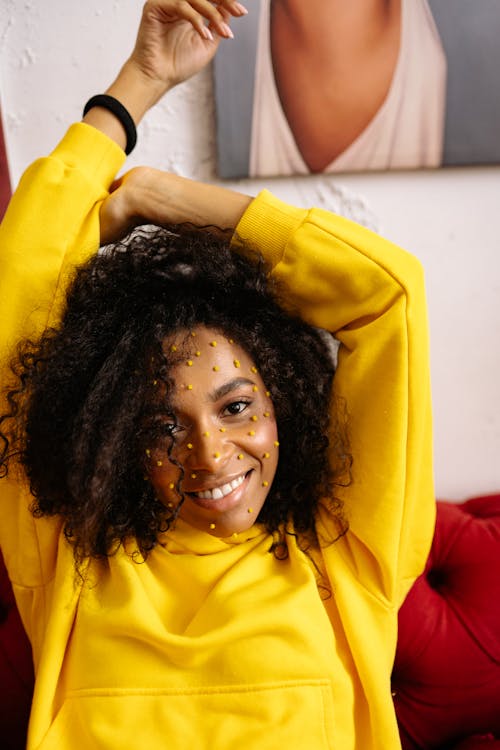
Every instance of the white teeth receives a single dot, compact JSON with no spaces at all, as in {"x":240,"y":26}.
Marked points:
{"x":219,"y":492}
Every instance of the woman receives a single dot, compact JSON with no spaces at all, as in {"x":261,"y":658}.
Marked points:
{"x":187,"y":576}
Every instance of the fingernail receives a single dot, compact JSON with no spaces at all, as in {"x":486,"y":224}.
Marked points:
{"x":226,"y":30}
{"x":241,"y":8}
{"x":208,"y":34}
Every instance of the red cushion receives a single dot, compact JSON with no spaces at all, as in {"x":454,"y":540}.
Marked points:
{"x":446,"y":676}
{"x":16,"y":670}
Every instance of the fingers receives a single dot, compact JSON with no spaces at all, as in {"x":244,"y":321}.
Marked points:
{"x":205,"y":16}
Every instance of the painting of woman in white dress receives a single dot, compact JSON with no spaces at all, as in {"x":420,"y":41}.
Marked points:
{"x":328,"y":86}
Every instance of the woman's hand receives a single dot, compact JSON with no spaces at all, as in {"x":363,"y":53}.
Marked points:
{"x":176,"y":39}
{"x":149,"y":196}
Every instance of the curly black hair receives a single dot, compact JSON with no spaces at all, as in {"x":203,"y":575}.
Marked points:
{"x":82,"y":410}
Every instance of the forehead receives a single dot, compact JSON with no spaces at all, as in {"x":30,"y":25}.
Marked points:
{"x":207,"y":360}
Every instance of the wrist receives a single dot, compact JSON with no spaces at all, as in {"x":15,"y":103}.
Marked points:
{"x":136,"y":90}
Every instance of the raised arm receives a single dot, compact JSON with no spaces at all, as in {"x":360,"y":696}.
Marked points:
{"x":53,"y":219}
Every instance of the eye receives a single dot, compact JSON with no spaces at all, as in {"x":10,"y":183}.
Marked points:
{"x":236,"y":407}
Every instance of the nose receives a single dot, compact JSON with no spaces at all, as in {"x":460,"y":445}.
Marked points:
{"x":208,"y":450}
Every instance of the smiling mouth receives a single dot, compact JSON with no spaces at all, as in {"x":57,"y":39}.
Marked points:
{"x":217,"y":493}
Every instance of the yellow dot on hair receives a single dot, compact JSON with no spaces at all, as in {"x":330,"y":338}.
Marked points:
{"x":276,"y":443}
{"x":255,"y":389}
{"x":222,"y":429}
{"x":213,"y":343}
{"x":266,"y":455}
{"x":206,"y":433}
{"x":170,"y":505}
{"x":193,"y":333}
{"x":171,"y":486}
{"x":236,"y":363}
{"x":189,"y":387}
{"x":145,"y":477}
{"x":265,"y":484}
{"x":189,"y":363}
{"x":240,"y":456}
{"x":253,"y":369}
{"x":189,"y":445}
{"x":251,"y":433}
{"x":216,"y":368}
{"x":155,"y":382}
{"x":250,"y":510}
{"x":268,"y":393}
{"x":216,"y":454}
{"x":148,"y":452}
{"x":231,"y":341}
{"x":173,"y":348}
{"x":159,"y":463}
{"x":193,"y":475}
{"x":266,"y":414}
{"x":254,"y":418}
{"x":197,"y":354}
{"x":212,"y":526}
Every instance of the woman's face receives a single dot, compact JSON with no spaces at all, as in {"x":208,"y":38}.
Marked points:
{"x":224,"y":437}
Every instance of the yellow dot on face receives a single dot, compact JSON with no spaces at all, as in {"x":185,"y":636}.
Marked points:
{"x":255,"y":389}
{"x":189,"y":387}
{"x":268,"y":393}
{"x":266,"y":455}
{"x":222,"y":429}
{"x":212,"y":526}
{"x":231,"y":341}
{"x":253,"y":369}
{"x":197,"y":354}
{"x":251,"y":433}
{"x":170,"y":505}
{"x":213,"y":343}
{"x":189,"y":445}
{"x":236,"y":362}
{"x":171,"y":486}
{"x":276,"y":443}
{"x":159,"y":463}
{"x":240,"y":456}
{"x":266,"y":414}
{"x":216,"y":454}
{"x":234,"y":534}
{"x":173,"y":348}
{"x":265,"y":484}
{"x":206,"y":434}
{"x":254,"y":418}
{"x":193,"y":475}
{"x":193,"y":333}
{"x":216,"y":368}
{"x":189,"y":363}
{"x":250,"y":510}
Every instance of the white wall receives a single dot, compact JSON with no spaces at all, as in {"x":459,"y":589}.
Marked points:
{"x":55,"y":55}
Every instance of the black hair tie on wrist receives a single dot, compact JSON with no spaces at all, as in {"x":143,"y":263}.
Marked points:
{"x":119,"y":111}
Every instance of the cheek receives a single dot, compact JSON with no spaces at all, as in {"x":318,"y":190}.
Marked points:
{"x":164,"y":478}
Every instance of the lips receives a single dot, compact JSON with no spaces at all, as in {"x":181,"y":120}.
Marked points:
{"x":222,"y":496}
{"x":217,"y":493}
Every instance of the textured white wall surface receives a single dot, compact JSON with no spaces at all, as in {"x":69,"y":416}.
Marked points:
{"x":55,"y":55}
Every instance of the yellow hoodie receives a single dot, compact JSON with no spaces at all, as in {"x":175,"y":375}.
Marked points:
{"x":214,"y":644}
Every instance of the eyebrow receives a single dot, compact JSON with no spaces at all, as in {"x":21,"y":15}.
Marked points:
{"x":226,"y":388}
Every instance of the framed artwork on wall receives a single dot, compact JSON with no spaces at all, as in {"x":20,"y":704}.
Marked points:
{"x":4,"y":172}
{"x":327,"y":86}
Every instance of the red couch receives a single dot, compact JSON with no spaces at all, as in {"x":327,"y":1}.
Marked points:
{"x":446,"y":679}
